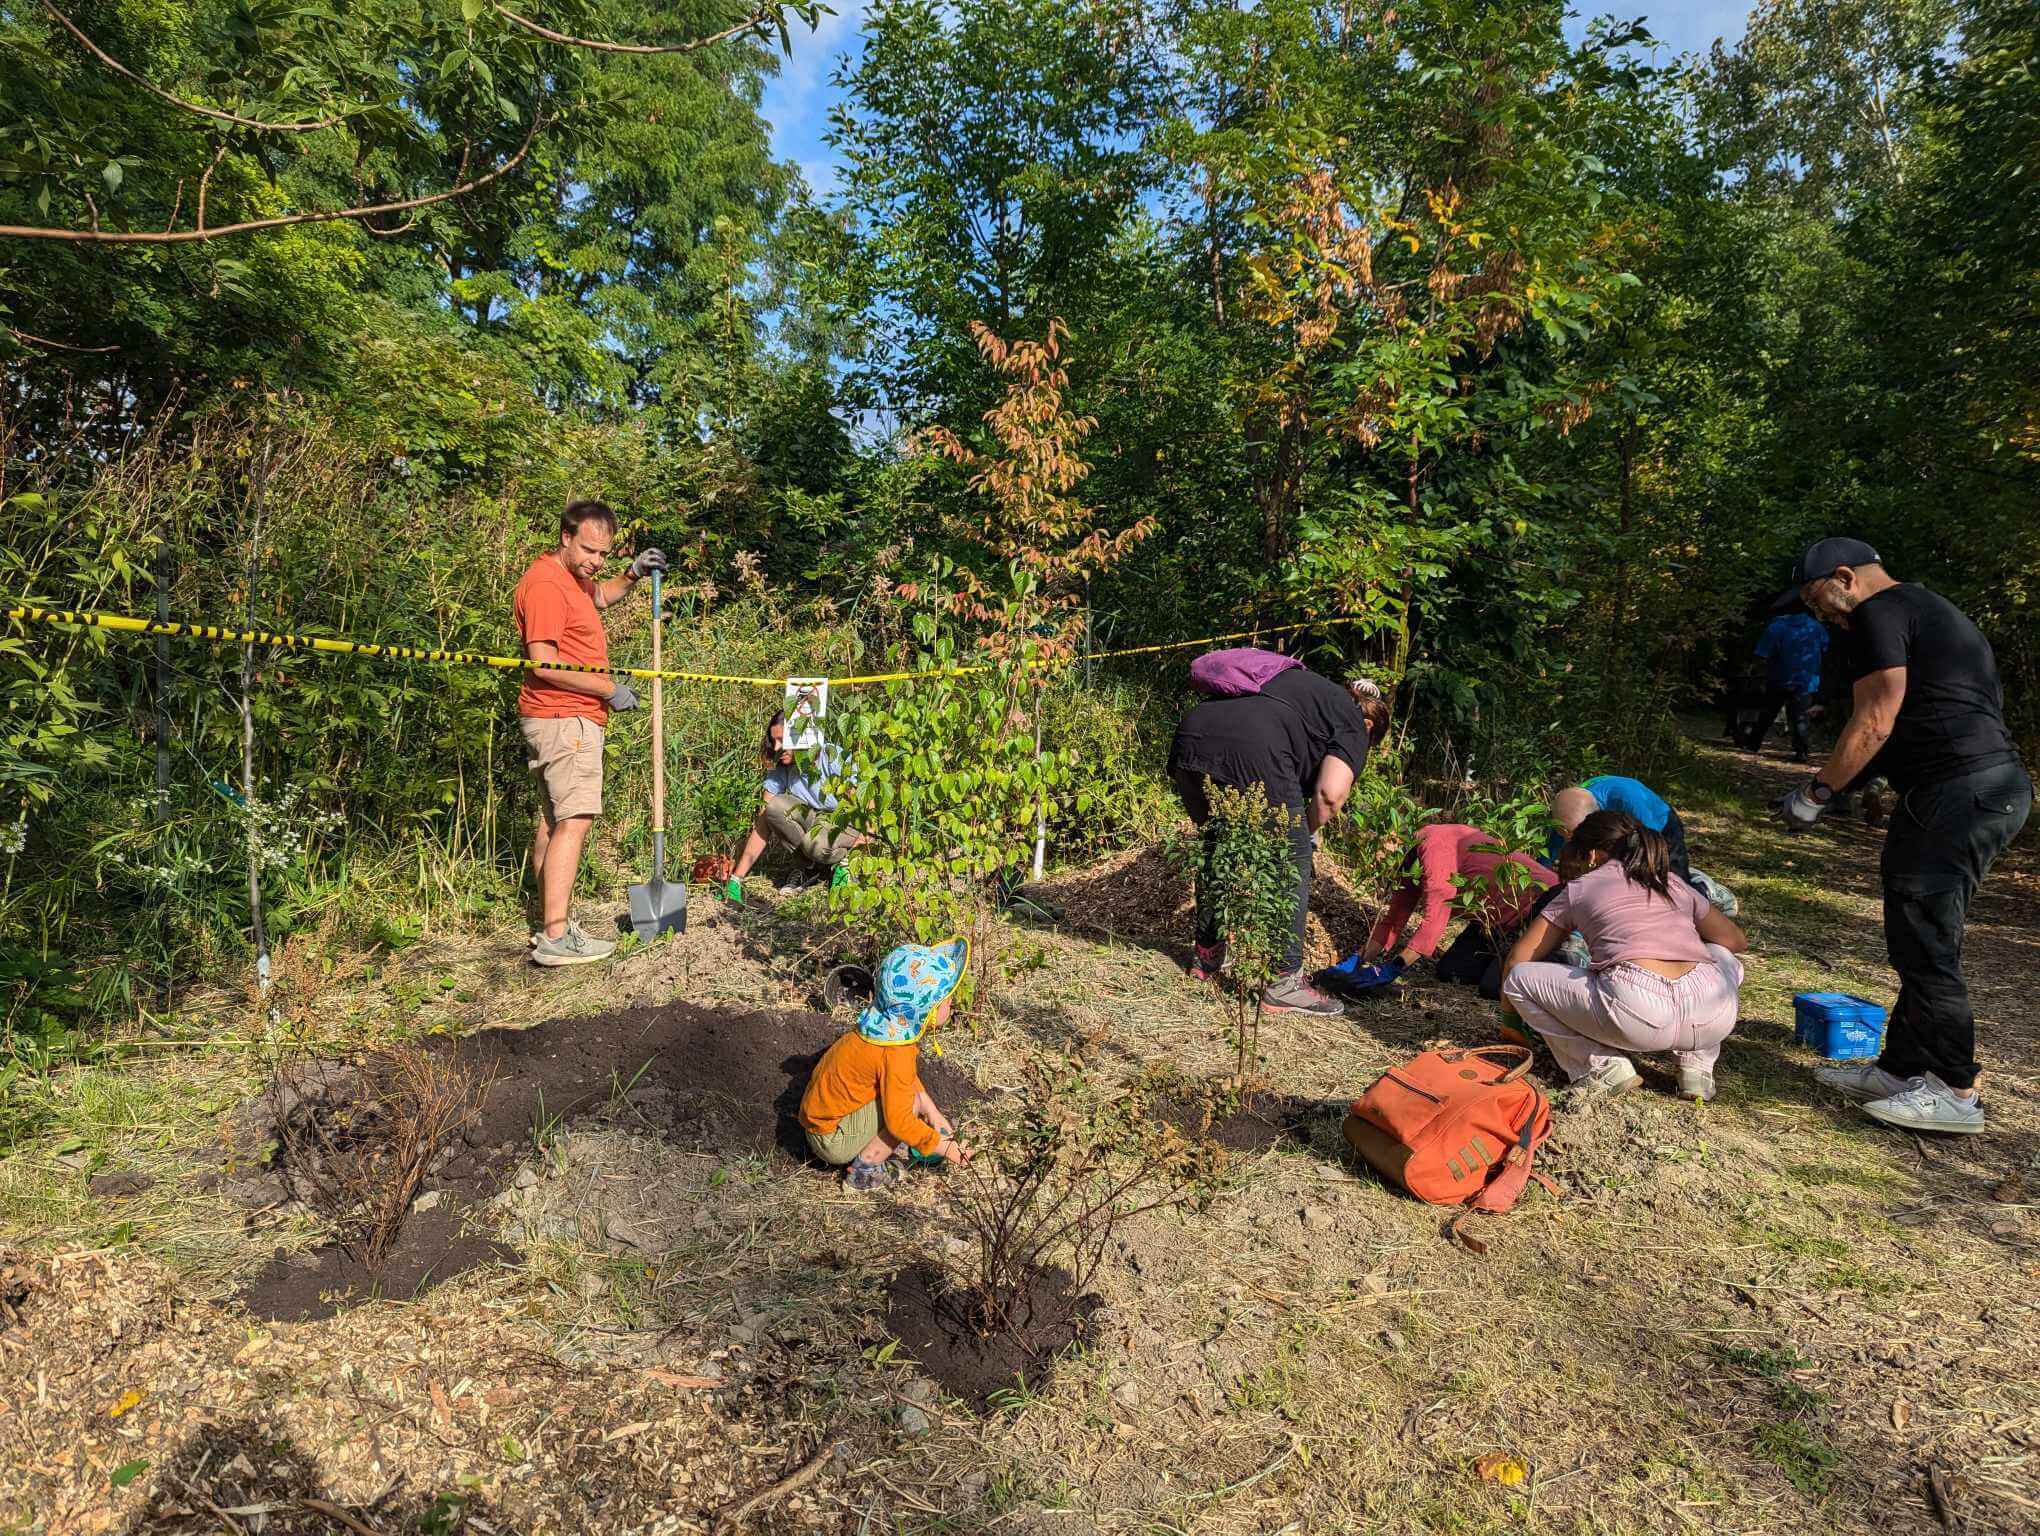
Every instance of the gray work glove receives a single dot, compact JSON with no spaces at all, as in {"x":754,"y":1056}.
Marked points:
{"x":1799,"y":810}
{"x":624,"y":698}
{"x":647,"y":561}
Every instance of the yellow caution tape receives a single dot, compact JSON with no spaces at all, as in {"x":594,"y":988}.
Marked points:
{"x":129,"y":624}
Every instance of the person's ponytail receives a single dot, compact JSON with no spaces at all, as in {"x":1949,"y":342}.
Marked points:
{"x":1645,"y":856}
{"x":1647,"y":860}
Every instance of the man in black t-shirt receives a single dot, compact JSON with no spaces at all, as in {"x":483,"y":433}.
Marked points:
{"x":1929,"y":716}
{"x":1301,"y":739}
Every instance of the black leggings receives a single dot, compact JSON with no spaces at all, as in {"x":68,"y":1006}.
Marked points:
{"x":1190,"y":789}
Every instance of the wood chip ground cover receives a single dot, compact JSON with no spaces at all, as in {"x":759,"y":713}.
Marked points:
{"x":1764,"y":1314}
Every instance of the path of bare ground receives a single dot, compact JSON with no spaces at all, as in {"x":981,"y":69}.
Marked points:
{"x":1761,"y":1315}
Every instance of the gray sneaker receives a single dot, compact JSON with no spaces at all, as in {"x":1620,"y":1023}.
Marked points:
{"x":571,"y":948}
{"x":1860,"y":1080}
{"x":1294,"y":994}
{"x":1696,"y":1083}
{"x":1604,"y":1082}
{"x":1928,"y":1104}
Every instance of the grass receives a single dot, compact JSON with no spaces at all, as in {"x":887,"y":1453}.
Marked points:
{"x":1698,"y":1336}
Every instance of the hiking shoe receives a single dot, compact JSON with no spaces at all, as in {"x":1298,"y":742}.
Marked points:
{"x":1696,"y":1083}
{"x":1295,"y":994}
{"x":1604,"y":1082}
{"x":1928,"y":1104}
{"x":867,"y":1178}
{"x":1208,"y":962}
{"x":1861,"y":1080}
{"x":571,"y":948}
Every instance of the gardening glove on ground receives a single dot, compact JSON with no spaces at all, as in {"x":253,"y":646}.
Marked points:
{"x":625,"y":697}
{"x":1799,"y":810}
{"x":647,"y":561}
{"x":734,"y":891}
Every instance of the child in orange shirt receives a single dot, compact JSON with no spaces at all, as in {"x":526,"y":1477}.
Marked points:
{"x":864,"y":1101}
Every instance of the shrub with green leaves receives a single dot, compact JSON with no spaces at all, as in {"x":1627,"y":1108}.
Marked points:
{"x":943,"y":778}
{"x":1245,"y":875}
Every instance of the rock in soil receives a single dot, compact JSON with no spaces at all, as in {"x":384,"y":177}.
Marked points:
{"x":113,"y":1185}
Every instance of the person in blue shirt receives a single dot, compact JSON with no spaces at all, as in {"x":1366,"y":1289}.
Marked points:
{"x":1611,"y":792}
{"x":1791,"y":651}
{"x":796,"y":811}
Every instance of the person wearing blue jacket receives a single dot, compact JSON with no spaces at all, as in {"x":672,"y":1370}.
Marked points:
{"x":1791,"y":650}
{"x":1612,"y":792}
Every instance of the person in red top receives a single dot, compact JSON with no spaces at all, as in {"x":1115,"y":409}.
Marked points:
{"x":1443,"y":860}
{"x":562,"y":713}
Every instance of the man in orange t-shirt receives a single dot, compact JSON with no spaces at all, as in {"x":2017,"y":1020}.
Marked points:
{"x":562,"y":713}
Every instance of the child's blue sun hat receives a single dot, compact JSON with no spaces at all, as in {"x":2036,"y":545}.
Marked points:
{"x":911,"y":982}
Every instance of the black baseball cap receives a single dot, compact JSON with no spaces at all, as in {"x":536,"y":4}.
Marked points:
{"x":1822,"y":558}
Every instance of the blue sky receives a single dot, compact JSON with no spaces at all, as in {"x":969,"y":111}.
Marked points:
{"x":797,"y":103}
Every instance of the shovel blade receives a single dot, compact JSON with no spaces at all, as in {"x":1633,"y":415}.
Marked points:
{"x":658,"y":906}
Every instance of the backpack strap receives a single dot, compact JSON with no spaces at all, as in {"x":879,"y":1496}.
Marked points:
{"x":1506,"y":1187}
{"x":1521,"y":1055}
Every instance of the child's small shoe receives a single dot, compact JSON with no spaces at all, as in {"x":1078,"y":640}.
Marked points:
{"x":867,"y":1178}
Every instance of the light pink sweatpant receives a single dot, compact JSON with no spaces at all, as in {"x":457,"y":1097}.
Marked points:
{"x":1589,"y":1018}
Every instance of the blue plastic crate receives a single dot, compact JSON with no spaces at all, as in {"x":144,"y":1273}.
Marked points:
{"x":1837,"y":1025}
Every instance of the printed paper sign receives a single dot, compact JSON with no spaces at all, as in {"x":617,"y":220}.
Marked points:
{"x":807,"y":705}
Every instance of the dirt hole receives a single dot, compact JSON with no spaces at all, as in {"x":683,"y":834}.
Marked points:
{"x":718,"y":1080}
{"x":934,"y":1321}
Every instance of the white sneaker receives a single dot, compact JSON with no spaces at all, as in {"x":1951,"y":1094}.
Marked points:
{"x":1604,"y":1082}
{"x":571,"y":948}
{"x":1696,"y":1083}
{"x":1928,"y":1104}
{"x":1860,"y":1080}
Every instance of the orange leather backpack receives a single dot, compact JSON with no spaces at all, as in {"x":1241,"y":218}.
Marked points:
{"x":1455,"y":1127}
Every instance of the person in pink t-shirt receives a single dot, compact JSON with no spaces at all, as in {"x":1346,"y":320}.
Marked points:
{"x":1662,"y":972}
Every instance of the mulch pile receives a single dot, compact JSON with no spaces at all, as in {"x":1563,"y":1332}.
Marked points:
{"x":722,"y":1081}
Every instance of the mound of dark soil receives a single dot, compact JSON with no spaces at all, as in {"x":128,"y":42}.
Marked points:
{"x":723,"y":1081}
{"x":1269,"y":1121}
{"x":932,"y":1321}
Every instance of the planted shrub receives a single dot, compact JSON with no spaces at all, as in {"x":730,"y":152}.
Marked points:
{"x":1054,"y":1177}
{"x":356,"y":1144}
{"x":944,"y":780}
{"x":1245,"y":876}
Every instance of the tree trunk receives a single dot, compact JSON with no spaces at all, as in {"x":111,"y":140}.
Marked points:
{"x":1625,"y":447}
{"x":258,"y":933}
{"x":1215,"y":257}
{"x":160,"y":807}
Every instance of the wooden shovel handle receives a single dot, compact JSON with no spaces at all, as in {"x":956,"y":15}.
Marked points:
{"x":658,"y":713}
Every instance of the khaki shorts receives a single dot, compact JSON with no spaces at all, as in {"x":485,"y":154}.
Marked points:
{"x":566,"y":754}
{"x":851,"y":1136}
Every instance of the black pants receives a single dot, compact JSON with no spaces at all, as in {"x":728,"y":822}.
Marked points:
{"x":1474,"y":959}
{"x":1674,"y":832}
{"x":1798,"y":707}
{"x":1190,"y":789}
{"x":1942,"y":841}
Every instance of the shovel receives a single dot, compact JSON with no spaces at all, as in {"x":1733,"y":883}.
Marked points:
{"x":657,"y":907}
